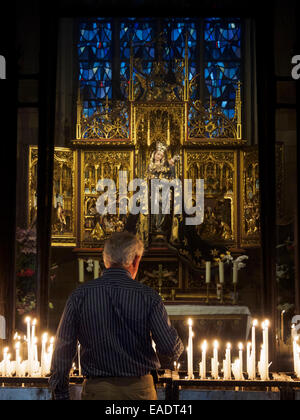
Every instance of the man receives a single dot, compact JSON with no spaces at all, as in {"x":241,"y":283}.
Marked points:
{"x":114,"y":318}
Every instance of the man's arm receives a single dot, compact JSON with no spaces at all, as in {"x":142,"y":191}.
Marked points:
{"x":164,"y":335}
{"x":64,"y":351}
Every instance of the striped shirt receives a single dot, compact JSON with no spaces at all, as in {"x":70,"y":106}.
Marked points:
{"x":115,"y":319}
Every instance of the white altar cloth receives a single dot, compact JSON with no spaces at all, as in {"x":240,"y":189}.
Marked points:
{"x":178,"y":310}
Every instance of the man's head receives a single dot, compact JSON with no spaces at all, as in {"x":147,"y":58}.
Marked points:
{"x":123,"y":249}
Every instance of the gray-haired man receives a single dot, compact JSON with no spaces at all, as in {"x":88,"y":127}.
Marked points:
{"x":115,"y":318}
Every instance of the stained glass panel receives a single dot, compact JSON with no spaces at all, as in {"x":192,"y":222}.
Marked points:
{"x":95,"y":62}
{"x":222,"y":56}
{"x":217,"y":39}
{"x":139,"y":33}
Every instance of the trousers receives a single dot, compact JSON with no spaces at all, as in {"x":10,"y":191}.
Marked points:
{"x":119,"y":388}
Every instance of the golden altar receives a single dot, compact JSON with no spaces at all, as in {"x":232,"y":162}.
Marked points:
{"x":122,"y":136}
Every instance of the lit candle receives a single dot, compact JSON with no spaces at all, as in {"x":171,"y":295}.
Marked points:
{"x":190,"y":351}
{"x":266,"y":349}
{"x":253,"y":351}
{"x":296,"y":355}
{"x":28,"y":322}
{"x":44,"y":355}
{"x":203,"y":362}
{"x":79,"y":362}
{"x":5,"y":362}
{"x":221,"y":272}
{"x":33,"y":330}
{"x":215,"y":362}
{"x":208,"y":272}
{"x":249,"y":364}
{"x":227,"y":363}
{"x":241,"y":376}
{"x":18,"y":360}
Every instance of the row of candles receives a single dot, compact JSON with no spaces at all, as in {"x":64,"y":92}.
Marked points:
{"x":221,"y":272}
{"x":235,"y":369}
{"x":32,"y":366}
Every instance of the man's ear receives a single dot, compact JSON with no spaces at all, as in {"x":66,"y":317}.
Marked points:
{"x":136,"y":260}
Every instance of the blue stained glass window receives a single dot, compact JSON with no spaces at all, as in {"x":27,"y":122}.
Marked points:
{"x":138,"y":33}
{"x":217,"y":39}
{"x":222,"y":57}
{"x":95,"y":62}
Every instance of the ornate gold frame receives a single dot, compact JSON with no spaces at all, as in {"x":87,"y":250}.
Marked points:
{"x":68,"y":157}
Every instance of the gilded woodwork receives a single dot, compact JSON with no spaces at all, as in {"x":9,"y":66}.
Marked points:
{"x":64,"y":204}
{"x":98,"y":165}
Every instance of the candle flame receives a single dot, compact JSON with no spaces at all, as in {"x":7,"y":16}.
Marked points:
{"x":27,"y":319}
{"x":228,"y":346}
{"x":34,"y":322}
{"x":255,"y":323}
{"x":204,"y":345}
{"x":216,"y":344}
{"x":241,"y":346}
{"x":190,"y":322}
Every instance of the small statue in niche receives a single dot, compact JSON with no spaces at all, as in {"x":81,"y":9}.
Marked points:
{"x":160,"y":167}
{"x":61,"y":216}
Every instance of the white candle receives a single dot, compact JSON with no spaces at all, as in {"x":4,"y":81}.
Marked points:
{"x":241,"y":376}
{"x":235,"y":272}
{"x":221,"y":272}
{"x":266,"y":349}
{"x":79,"y":362}
{"x":5,"y":362}
{"x":43,"y":355}
{"x":28,"y":322}
{"x":227,"y":363}
{"x":253,"y":351}
{"x":296,"y":356}
{"x":203,"y":362}
{"x":249,"y":362}
{"x":81,"y":270}
{"x":33,"y":330}
{"x":215,"y":361}
{"x":190,"y":351}
{"x":208,"y":272}
{"x":96,"y":269}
